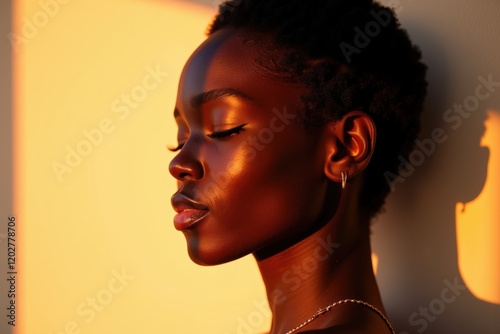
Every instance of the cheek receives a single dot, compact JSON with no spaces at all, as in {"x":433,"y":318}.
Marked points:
{"x":225,"y":174}
{"x":257,"y":198}
{"x":280,"y":186}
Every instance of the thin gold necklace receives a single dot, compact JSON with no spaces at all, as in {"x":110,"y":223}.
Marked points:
{"x":329,"y":307}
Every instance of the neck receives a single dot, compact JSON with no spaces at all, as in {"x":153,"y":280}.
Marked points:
{"x":317,"y":272}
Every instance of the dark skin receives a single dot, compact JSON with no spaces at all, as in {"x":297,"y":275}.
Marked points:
{"x":264,"y":185}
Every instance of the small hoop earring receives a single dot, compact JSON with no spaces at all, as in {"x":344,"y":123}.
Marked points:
{"x":343,"y":176}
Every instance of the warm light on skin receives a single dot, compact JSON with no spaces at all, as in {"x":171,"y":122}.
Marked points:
{"x":112,"y":211}
{"x":478,"y":226}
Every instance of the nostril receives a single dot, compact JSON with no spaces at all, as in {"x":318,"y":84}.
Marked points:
{"x":183,"y":175}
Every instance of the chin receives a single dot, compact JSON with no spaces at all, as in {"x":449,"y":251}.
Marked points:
{"x":211,"y":254}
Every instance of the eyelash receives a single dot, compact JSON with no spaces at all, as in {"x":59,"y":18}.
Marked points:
{"x":225,"y":135}
{"x":176,"y":149}
{"x":219,"y":135}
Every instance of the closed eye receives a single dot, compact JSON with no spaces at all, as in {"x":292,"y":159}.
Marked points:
{"x":218,"y":135}
{"x":227,"y":134}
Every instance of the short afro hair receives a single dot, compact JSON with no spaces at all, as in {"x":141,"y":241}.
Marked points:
{"x":352,"y":55}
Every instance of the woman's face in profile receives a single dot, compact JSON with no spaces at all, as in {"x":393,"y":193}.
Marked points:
{"x":250,"y":178}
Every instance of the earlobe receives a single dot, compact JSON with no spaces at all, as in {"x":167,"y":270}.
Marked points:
{"x":350,"y":144}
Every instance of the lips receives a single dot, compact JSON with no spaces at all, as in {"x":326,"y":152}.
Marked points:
{"x":189,"y":212}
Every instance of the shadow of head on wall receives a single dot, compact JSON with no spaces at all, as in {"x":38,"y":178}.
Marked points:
{"x":416,"y":238}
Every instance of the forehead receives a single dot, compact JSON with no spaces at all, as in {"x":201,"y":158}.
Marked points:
{"x":228,"y":59}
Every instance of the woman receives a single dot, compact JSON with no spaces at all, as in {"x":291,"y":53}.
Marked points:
{"x":291,"y":118}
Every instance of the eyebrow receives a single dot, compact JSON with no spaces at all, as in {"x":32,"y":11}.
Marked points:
{"x":214,"y":95}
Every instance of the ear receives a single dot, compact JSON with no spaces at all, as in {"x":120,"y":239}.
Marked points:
{"x":350,"y":142}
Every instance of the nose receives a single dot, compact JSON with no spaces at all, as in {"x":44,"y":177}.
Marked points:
{"x":185,"y":166}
